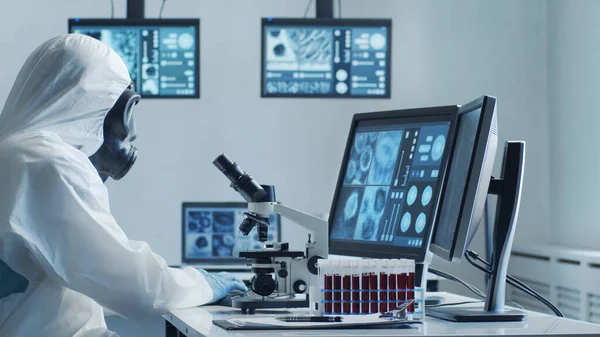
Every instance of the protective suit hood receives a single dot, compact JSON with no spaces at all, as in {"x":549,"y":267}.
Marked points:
{"x":66,"y":86}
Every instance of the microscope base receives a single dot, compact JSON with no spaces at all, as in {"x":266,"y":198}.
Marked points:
{"x":250,"y":305}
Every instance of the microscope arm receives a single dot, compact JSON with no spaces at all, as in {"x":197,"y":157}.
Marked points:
{"x":316,"y":225}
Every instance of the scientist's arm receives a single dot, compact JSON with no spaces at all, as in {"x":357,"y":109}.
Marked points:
{"x":78,"y":242}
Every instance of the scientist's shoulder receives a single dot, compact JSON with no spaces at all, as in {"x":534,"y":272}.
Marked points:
{"x":40,"y":150}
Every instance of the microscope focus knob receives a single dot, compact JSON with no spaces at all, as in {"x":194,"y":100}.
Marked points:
{"x":300,"y":287}
{"x":263,"y":285}
{"x":282,"y":273}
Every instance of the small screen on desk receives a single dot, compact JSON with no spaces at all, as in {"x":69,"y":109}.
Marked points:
{"x":211,"y":234}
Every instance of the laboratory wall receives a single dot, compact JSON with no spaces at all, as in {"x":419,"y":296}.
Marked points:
{"x":444,"y":52}
{"x":573,"y":80}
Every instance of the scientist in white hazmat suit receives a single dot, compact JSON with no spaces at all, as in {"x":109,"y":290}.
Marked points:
{"x":66,"y":126}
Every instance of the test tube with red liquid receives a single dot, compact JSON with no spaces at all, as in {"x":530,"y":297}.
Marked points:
{"x":392,"y":289}
{"x":410,"y":285}
{"x":326,"y":285}
{"x":364,"y":287}
{"x":401,"y":281}
{"x":346,"y":272}
{"x":337,"y":287}
{"x":355,"y":269}
{"x":383,"y":284}
{"x":373,"y":286}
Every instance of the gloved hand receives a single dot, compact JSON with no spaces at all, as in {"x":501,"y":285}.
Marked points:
{"x":222,"y":283}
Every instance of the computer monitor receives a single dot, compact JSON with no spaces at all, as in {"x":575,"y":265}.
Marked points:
{"x":162,"y":55}
{"x":389,"y":184}
{"x":211,"y":238}
{"x":336,"y":58}
{"x":468,"y":179}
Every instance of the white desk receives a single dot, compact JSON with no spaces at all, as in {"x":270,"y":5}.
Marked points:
{"x":197,"y":322}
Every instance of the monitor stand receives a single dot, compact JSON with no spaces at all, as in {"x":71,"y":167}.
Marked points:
{"x":508,"y":190}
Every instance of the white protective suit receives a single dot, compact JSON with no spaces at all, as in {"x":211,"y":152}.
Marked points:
{"x":63,"y":257}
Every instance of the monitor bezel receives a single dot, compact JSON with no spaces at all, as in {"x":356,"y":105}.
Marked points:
{"x":195,"y":22}
{"x":466,"y":229}
{"x":218,"y":262}
{"x":421,"y":115}
{"x":326,"y":22}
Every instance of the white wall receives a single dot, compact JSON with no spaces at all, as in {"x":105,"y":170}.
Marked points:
{"x":574,"y":86}
{"x":444,"y":52}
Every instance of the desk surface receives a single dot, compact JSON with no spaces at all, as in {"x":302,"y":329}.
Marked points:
{"x":197,"y":322}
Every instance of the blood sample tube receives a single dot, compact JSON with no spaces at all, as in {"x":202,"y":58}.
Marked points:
{"x":401,"y":282}
{"x":346,"y":286}
{"x":337,"y":287}
{"x":325,"y":265}
{"x":364,"y":287}
{"x":383,"y":284}
{"x":392,"y":289}
{"x":355,"y":268}
{"x":373,"y":286}
{"x":410,"y":285}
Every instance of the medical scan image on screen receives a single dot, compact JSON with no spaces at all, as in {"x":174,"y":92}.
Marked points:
{"x":392,"y":175}
{"x":161,"y":61}
{"x":214,"y":233}
{"x":325,"y":61}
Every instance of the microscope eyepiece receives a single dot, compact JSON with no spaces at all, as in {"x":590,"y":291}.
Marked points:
{"x":241,"y":181}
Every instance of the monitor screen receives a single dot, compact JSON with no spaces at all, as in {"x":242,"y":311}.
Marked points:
{"x":389,"y":191}
{"x":326,"y":58}
{"x":162,"y":56}
{"x":210,"y":233}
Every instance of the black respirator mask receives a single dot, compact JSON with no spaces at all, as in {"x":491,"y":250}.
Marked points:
{"x":116,"y":155}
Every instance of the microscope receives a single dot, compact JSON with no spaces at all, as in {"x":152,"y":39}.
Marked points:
{"x":279,"y":273}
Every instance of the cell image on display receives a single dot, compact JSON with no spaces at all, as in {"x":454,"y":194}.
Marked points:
{"x":223,"y":245}
{"x":299,"y":49}
{"x":360,"y":159}
{"x":344,"y":224}
{"x":199,"y":222}
{"x":384,"y":158}
{"x":198,"y":244}
{"x":223,"y":222}
{"x":371,"y":211}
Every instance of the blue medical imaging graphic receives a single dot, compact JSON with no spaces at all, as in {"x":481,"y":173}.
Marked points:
{"x":360,"y":158}
{"x":406,"y":221}
{"x":411,"y":197}
{"x":384,"y":159}
{"x":421,"y":222}
{"x":426,"y":197}
{"x":347,"y":215}
{"x":371,"y":211}
{"x":326,"y":61}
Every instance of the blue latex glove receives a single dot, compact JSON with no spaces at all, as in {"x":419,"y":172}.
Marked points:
{"x":222,"y":283}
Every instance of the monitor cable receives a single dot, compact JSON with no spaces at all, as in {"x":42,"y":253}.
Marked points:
{"x":471,"y":287}
{"x":162,"y":7}
{"x":307,"y":8}
{"x":112,"y":9}
{"x":471,"y":256}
